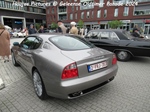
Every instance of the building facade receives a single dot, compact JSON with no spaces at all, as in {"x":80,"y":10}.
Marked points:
{"x":20,"y":13}
{"x":97,"y":15}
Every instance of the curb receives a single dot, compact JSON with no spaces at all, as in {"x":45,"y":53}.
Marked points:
{"x":2,"y":85}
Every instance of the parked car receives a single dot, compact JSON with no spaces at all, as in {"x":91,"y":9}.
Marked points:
{"x":64,"y":70}
{"x":122,"y":43}
{"x":19,"y":34}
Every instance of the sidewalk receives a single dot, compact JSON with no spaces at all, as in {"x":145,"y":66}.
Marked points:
{"x":9,"y":73}
{"x":2,"y":85}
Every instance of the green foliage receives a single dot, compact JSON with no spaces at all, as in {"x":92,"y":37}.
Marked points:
{"x":115,"y":24}
{"x":80,"y":24}
{"x":37,"y":25}
{"x":54,"y":25}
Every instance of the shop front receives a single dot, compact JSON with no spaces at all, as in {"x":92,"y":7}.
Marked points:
{"x":13,"y":22}
{"x":147,"y":26}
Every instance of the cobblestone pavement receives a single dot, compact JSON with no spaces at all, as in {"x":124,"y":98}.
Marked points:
{"x":128,"y":92}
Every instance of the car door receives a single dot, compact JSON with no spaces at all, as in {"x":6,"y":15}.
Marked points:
{"x":25,"y":49}
{"x":107,"y":40}
{"x":35,"y":42}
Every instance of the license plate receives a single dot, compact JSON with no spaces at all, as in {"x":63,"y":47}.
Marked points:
{"x":97,"y":66}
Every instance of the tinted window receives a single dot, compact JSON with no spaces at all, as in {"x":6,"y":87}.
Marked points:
{"x":31,"y":43}
{"x":70,"y":42}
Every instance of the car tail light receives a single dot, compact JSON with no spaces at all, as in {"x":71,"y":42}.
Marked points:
{"x":70,"y":71}
{"x":114,"y":60}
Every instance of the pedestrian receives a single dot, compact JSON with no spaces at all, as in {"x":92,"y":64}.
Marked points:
{"x":32,"y":30}
{"x":68,"y":29}
{"x":4,"y":43}
{"x":82,"y":31}
{"x":41,"y":29}
{"x":85,"y":31}
{"x":136,"y":28}
{"x":61,"y":28}
{"x":74,"y":29}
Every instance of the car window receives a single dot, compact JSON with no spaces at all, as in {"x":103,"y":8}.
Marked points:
{"x":104,"y":35}
{"x":31,"y":43}
{"x":113,"y":36}
{"x":71,"y":42}
{"x":94,"y":35}
{"x":127,"y":34}
{"x":88,"y":35}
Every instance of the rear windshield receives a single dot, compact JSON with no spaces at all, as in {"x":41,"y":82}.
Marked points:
{"x":71,"y":42}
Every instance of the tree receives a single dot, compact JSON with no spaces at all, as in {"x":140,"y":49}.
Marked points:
{"x":115,"y":24}
{"x":37,"y":25}
{"x":80,"y":24}
{"x":54,"y":25}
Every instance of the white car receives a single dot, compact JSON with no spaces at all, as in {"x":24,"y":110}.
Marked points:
{"x":19,"y":34}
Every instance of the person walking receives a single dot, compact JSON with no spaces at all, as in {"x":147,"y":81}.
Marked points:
{"x":61,"y":28}
{"x":32,"y":30}
{"x":4,"y":43}
{"x":73,"y":29}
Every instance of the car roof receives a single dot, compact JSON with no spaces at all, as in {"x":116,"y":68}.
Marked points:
{"x":46,"y":36}
{"x":118,"y":31}
{"x":115,"y":30}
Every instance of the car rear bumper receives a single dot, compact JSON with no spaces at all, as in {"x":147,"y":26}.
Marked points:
{"x":74,"y":88}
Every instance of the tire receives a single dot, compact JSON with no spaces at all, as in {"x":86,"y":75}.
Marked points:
{"x":39,"y":85}
{"x":14,"y":59}
{"x":123,"y":55}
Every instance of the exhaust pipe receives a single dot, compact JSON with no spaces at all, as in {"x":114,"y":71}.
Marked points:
{"x":76,"y":94}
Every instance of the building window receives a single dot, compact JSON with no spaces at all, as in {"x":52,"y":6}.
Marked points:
{"x":31,"y":9}
{"x":52,"y":10}
{"x":126,"y":11}
{"x":72,"y":8}
{"x":77,"y":8}
{"x":82,"y":15}
{"x":98,"y":13}
{"x":75,"y":15}
{"x":105,"y":13}
{"x":71,"y":16}
{"x":116,"y":12}
{"x":101,"y":3}
{"x":87,"y":14}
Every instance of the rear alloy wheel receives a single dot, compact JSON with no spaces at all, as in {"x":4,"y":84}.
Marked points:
{"x":14,"y":59}
{"x":38,"y":85}
{"x":123,"y":55}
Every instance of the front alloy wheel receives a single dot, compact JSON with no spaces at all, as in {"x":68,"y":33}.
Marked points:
{"x":123,"y":55}
{"x":38,"y":85}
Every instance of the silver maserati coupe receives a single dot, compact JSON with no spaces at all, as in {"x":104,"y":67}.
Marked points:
{"x":64,"y":66}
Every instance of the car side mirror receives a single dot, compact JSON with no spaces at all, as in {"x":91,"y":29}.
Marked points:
{"x":16,"y":44}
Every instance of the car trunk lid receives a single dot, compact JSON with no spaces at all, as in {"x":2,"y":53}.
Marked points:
{"x":90,"y":61}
